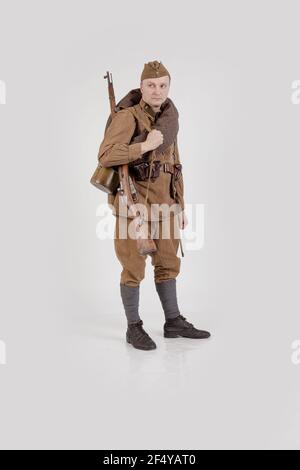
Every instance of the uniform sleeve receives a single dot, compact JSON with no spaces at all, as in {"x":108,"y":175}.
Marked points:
{"x":179,"y":185}
{"x":115,"y":148}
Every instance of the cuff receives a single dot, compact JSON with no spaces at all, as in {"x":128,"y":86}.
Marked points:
{"x":134,"y":151}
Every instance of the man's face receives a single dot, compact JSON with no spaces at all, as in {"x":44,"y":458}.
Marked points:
{"x":155,"y":91}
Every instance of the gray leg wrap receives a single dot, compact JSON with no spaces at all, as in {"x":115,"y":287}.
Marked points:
{"x":168,"y":297}
{"x":130,"y":298}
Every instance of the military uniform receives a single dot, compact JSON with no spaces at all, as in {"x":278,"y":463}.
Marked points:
{"x":117,"y":149}
{"x":122,"y":145}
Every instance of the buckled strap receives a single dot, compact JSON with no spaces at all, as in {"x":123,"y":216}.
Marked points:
{"x":168,"y":167}
{"x":172,"y":168}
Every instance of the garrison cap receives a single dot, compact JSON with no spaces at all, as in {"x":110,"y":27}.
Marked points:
{"x":154,"y":69}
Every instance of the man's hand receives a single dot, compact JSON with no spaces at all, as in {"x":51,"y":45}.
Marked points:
{"x":154,"y":139}
{"x":182,"y":220}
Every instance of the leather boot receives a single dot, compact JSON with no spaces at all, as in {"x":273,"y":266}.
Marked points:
{"x":180,"y":327}
{"x":137,"y":336}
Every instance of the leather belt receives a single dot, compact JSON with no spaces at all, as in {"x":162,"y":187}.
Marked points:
{"x":167,"y":167}
{"x":174,"y":169}
{"x":141,"y":171}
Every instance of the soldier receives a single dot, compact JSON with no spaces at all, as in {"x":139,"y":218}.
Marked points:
{"x":126,"y":141}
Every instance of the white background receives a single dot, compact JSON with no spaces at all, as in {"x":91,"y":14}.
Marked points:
{"x":71,"y":380}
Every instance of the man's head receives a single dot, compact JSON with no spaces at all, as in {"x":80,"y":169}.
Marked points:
{"x":155,"y":84}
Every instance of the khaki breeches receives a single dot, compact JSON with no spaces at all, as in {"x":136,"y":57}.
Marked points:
{"x":165,"y":261}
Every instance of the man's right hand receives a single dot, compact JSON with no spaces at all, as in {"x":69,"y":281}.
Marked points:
{"x":154,"y":139}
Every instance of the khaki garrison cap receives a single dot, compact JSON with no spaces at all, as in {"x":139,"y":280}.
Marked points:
{"x":154,"y":69}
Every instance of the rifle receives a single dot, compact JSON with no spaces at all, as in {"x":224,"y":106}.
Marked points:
{"x":127,"y":192}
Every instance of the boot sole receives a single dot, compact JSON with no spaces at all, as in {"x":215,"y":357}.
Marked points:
{"x":171,"y":335}
{"x":178,"y":335}
{"x":143,"y":349}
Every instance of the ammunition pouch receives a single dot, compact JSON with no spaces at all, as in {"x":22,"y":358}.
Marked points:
{"x":141,"y":171}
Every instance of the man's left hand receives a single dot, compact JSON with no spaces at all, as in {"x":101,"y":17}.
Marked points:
{"x":183,"y":220}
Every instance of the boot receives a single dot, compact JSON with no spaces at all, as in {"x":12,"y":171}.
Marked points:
{"x":180,"y":327}
{"x":137,"y":336}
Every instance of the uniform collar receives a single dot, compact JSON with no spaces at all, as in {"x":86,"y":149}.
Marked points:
{"x":148,"y":110}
